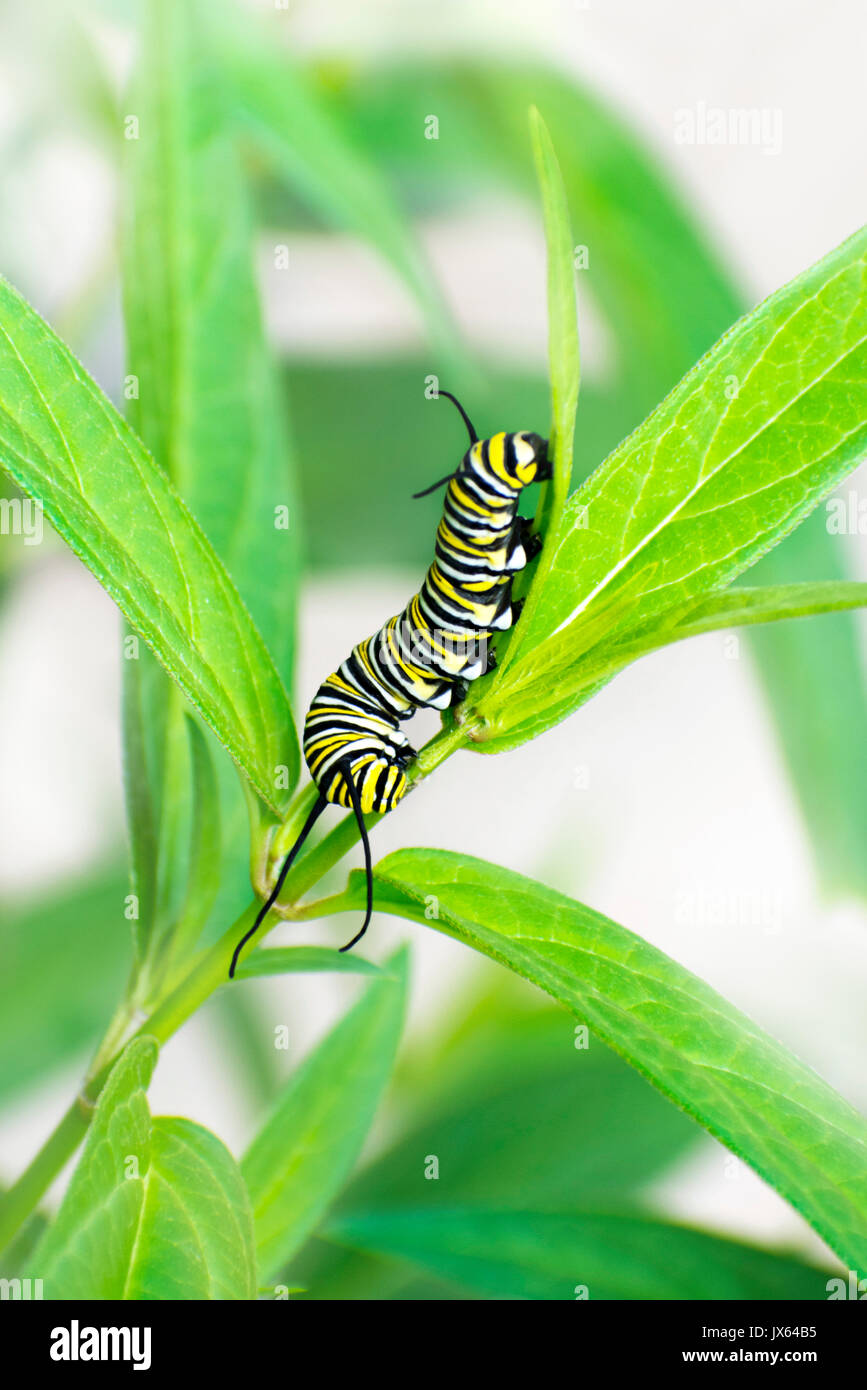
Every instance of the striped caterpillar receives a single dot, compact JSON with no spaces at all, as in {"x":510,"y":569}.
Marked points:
{"x":427,"y":654}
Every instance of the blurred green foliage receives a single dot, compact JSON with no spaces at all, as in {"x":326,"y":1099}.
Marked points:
{"x":66,"y":954}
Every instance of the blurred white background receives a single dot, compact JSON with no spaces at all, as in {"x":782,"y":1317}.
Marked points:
{"x":664,"y":802}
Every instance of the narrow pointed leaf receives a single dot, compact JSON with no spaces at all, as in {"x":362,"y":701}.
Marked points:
{"x":290,"y":960}
{"x":748,"y":443}
{"x":203,"y":879}
{"x":563,"y":355}
{"x":206,"y":402}
{"x":306,"y":1149}
{"x":734,"y":608}
{"x":64,"y":444}
{"x":745,"y":1088}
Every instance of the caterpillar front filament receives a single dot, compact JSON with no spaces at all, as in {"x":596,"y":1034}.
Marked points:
{"x":426,"y":655}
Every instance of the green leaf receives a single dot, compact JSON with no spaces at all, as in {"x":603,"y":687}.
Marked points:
{"x":761,"y":429}
{"x":207,"y":403}
{"x":288,"y":960}
{"x":739,"y":607}
{"x":563,"y":352}
{"x":195,"y":1199}
{"x":237,"y":1020}
{"x":563,"y":355}
{"x":771,"y":604}
{"x":307,"y":1147}
{"x":746,"y":1089}
{"x":63,"y":443}
{"x":569,"y":1255}
{"x":204,"y":860}
{"x":143,"y":736}
{"x":156,"y":1209}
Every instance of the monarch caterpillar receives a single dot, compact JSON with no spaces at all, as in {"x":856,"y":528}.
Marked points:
{"x":427,"y":654}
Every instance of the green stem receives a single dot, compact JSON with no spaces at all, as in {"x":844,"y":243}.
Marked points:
{"x":21,"y":1198}
{"x":324,"y":907}
{"x":440,"y":747}
{"x":287,"y":833}
{"x":114,"y":1035}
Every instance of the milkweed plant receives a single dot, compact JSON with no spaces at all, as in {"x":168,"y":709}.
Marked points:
{"x":184,"y":508}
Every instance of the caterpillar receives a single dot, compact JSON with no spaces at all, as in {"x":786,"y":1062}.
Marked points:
{"x":426,"y":655}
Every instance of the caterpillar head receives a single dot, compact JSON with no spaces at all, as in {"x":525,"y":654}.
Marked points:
{"x":530,"y":459}
{"x":514,"y":459}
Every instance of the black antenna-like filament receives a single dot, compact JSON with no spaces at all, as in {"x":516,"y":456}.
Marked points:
{"x":368,"y":867}
{"x":473,"y":438}
{"x":311,"y":820}
{"x":464,"y":416}
{"x":433,"y":487}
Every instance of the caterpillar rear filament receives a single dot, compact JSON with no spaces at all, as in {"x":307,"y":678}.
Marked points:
{"x":426,"y":655}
